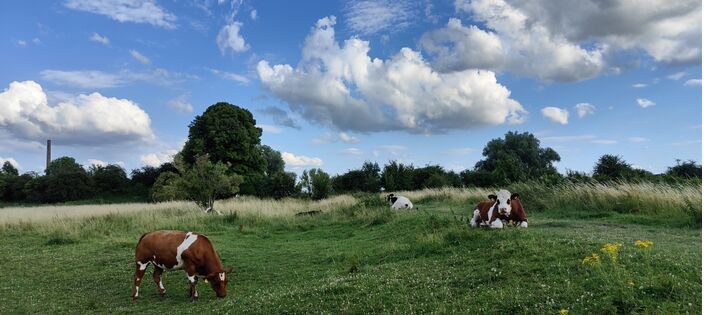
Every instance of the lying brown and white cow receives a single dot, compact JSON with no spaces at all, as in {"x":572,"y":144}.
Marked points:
{"x":503,"y":206}
{"x":172,"y":250}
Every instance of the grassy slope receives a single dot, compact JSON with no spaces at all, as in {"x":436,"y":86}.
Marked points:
{"x":414,"y":262}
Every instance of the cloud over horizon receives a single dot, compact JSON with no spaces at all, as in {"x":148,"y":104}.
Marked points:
{"x":91,"y":119}
{"x":344,"y":88}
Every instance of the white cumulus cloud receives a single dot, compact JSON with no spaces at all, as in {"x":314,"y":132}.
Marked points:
{"x":229,"y":38}
{"x":158,"y":158}
{"x":557,"y":115}
{"x":85,"y":119}
{"x":293,"y":160}
{"x":11,"y":160}
{"x":343,"y":87}
{"x":644,"y":102}
{"x":136,"y":11}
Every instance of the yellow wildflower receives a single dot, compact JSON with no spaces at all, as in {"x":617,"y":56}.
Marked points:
{"x":631,"y":284}
{"x":564,"y":312}
{"x":643,"y":244}
{"x":612,"y":250}
{"x":592,"y":260}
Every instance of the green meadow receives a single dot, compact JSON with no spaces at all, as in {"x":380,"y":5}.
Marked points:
{"x":357,"y":256}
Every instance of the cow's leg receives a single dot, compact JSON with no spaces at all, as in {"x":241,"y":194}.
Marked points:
{"x":497,"y":224}
{"x":524,"y":224}
{"x":139,"y":271}
{"x":192,"y":280}
{"x":475,"y":219}
{"x":158,"y":271}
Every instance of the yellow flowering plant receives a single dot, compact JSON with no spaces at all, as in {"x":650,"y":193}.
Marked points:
{"x":612,"y":250}
{"x":643,"y":244}
{"x":592,"y":260}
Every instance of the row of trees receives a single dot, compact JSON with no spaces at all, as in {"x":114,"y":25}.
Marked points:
{"x":223,"y":156}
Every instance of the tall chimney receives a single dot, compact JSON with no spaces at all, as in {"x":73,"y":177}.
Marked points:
{"x":48,"y":153}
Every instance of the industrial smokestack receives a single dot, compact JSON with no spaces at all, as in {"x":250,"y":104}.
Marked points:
{"x":48,"y":153}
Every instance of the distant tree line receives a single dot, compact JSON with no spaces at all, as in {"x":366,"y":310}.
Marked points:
{"x":223,"y":157}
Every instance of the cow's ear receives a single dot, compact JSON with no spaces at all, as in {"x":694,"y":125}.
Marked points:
{"x":211,"y":275}
{"x":515,"y":196}
{"x":492,"y":197}
{"x":227,"y":270}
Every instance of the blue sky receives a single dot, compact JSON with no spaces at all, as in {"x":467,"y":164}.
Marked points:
{"x":335,"y":83}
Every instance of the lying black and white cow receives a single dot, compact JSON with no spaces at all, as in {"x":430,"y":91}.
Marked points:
{"x":501,"y":208}
{"x":399,"y":202}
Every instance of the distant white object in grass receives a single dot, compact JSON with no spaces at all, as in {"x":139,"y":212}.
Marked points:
{"x":399,"y":202}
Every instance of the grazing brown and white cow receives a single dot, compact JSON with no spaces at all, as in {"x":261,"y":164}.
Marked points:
{"x":517,"y":214}
{"x":172,"y":250}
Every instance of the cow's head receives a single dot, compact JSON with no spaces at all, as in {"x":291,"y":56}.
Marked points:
{"x":391,"y":199}
{"x":503,"y":202}
{"x":218,"y":281}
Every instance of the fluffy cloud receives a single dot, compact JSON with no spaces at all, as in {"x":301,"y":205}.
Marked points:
{"x":644,"y":102}
{"x":344,"y":88}
{"x":368,"y":17}
{"x":96,"y":162}
{"x":514,"y":42}
{"x":567,"y":41}
{"x":668,"y":31}
{"x":293,"y":160}
{"x":557,"y":115}
{"x":84,"y":120}
{"x":253,"y":15}
{"x":229,"y":38}
{"x":584,"y":109}
{"x":139,"y":57}
{"x":456,"y":47}
{"x":137,"y":11}
{"x":11,"y":160}
{"x":158,"y":158}
{"x":100,"y":39}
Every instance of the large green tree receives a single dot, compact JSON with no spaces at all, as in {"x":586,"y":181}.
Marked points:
{"x":517,"y":157}
{"x":397,"y":176}
{"x":228,"y":134}
{"x":109,"y":178}
{"x":65,"y":180}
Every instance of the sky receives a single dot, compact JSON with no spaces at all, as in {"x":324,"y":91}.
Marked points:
{"x":336,"y":83}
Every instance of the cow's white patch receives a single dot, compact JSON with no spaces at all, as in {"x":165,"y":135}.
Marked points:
{"x":491,"y":212}
{"x":136,"y":291}
{"x":497,"y":224}
{"x":475,"y":218}
{"x":190,"y":239}
{"x":161,"y":285}
{"x":222,"y":276}
{"x":160,"y":266}
{"x":524,"y":224}
{"x":192,"y":279}
{"x":143,"y":266}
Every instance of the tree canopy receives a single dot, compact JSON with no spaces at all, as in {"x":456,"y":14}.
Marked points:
{"x":228,"y":134}
{"x":517,"y":157}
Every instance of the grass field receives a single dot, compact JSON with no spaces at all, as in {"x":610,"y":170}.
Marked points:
{"x":359,"y":257}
